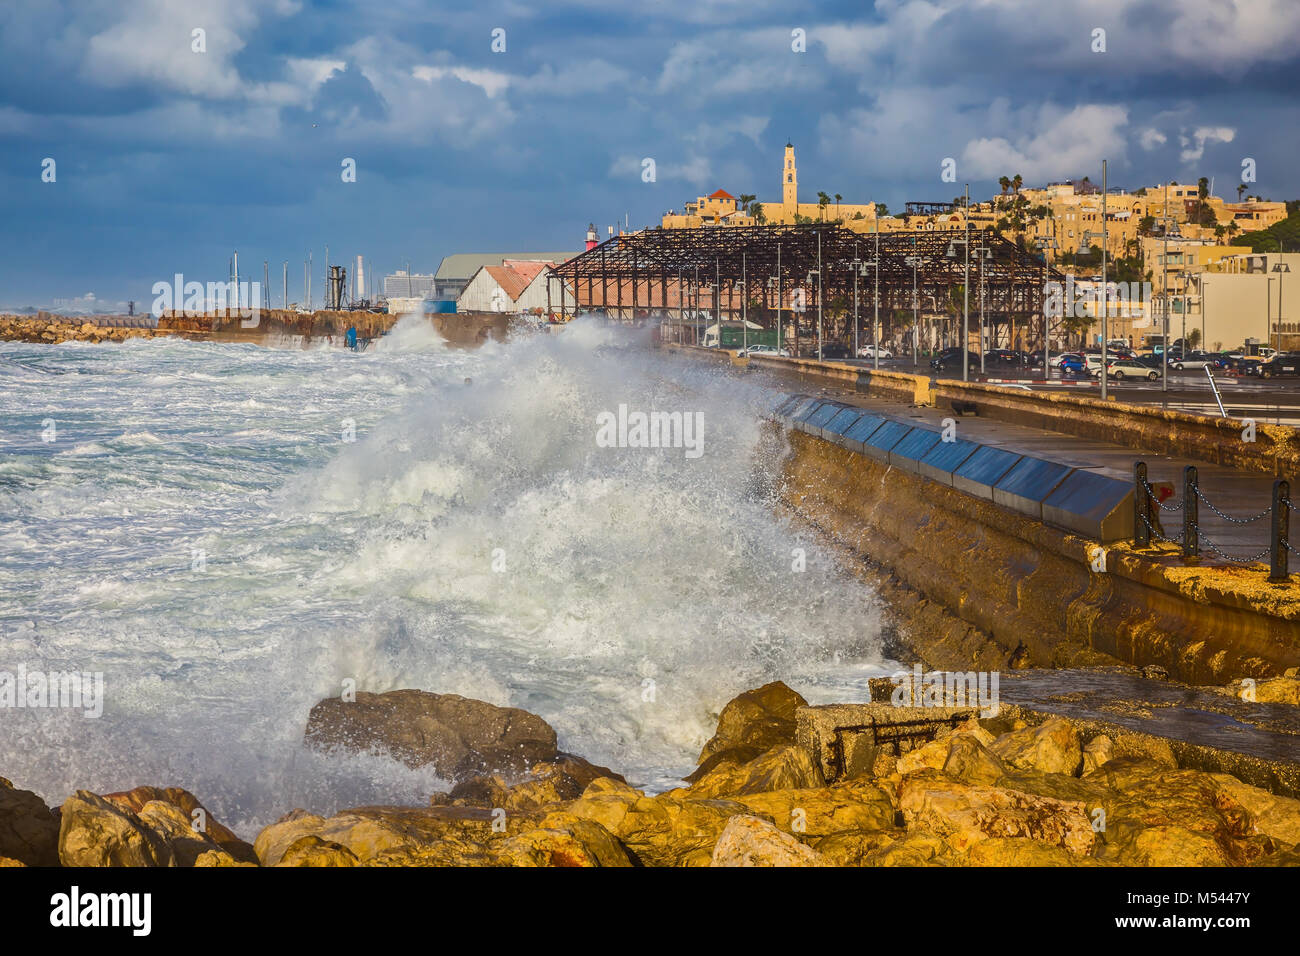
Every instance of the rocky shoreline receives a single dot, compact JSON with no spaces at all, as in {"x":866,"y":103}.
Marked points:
{"x":53,"y":331}
{"x":983,"y":791}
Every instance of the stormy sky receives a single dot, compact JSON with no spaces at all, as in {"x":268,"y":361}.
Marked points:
{"x":166,"y":159}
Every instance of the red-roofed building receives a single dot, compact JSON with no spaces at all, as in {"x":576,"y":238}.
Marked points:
{"x":516,"y":285}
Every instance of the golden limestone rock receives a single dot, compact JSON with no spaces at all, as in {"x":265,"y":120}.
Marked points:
{"x":821,"y":811}
{"x":200,"y":818}
{"x":436,"y":836}
{"x":547,"y":784}
{"x":750,"y":725}
{"x":1052,"y":747}
{"x":965,"y":814}
{"x":670,"y":829}
{"x":95,"y":832}
{"x":784,"y":767}
{"x":751,"y":841}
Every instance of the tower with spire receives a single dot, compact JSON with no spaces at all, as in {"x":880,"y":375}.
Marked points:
{"x":789,"y":183}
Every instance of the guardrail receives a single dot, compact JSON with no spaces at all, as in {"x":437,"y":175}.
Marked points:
{"x":1147,"y":508}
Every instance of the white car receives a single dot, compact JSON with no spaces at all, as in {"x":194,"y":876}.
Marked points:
{"x":768,"y":350}
{"x":1191,"y":361}
{"x":869,"y":351}
{"x":1124,"y":368}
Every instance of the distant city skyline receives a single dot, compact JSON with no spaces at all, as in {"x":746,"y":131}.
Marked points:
{"x":508,"y":128}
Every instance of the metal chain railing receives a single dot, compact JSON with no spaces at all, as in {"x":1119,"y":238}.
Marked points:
{"x":1146,"y":526}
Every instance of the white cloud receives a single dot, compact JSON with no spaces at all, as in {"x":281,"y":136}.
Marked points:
{"x":1151,"y":138}
{"x":1194,"y":145}
{"x":489,"y":81}
{"x":1061,"y":143}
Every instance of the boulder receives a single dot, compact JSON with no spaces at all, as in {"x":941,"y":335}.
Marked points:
{"x":435,"y":836}
{"x":855,"y":847}
{"x":1098,"y":751}
{"x":755,"y":722}
{"x":784,"y":767}
{"x":857,"y":805}
{"x":965,"y":814}
{"x":670,"y":829}
{"x":1278,"y":690}
{"x":1173,"y":804}
{"x":971,"y":762}
{"x":547,"y":783}
{"x":458,"y":736}
{"x":96,"y":832}
{"x":1270,"y":814}
{"x":751,"y":841}
{"x":189,"y":805}
{"x":1011,"y":851}
{"x":1052,"y":747}
{"x":29,"y":830}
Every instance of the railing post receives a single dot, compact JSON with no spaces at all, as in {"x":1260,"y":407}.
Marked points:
{"x":1141,"y":507}
{"x":1280,"y":537}
{"x":1191,"y":526}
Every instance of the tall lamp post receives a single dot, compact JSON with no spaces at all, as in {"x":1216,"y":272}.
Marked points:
{"x":1279,"y":267}
{"x":965,"y":292}
{"x":914,"y":260}
{"x":1105,"y":303}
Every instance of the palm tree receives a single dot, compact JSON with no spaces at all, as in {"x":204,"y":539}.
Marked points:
{"x":745,"y":200}
{"x":838,"y":197}
{"x":1005,"y":183}
{"x":1241,"y":188}
{"x":756,"y":210}
{"x":1016,"y":183}
{"x":823,"y":200}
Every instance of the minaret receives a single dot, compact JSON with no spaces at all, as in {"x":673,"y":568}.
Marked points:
{"x":789,"y":183}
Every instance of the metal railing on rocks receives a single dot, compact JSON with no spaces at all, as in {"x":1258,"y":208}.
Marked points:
{"x":1148,"y":506}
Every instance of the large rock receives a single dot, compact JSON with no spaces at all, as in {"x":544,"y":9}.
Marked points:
{"x":670,"y":829}
{"x":95,"y":832}
{"x":1274,"y":816}
{"x":965,"y":814}
{"x":435,"y":836}
{"x":785,"y":767}
{"x":547,"y":783}
{"x":750,"y":841}
{"x":1278,"y":690}
{"x":29,"y":830}
{"x":854,"y":805}
{"x":1052,"y":747}
{"x":753,"y":723}
{"x":200,"y":818}
{"x":458,"y":736}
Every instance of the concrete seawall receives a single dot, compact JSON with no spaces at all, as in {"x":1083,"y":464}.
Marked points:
{"x":974,"y":584}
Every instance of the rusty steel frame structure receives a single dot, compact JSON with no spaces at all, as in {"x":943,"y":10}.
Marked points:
{"x":667,"y":273}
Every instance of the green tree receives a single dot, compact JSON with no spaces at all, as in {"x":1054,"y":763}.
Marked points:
{"x":745,"y":200}
{"x":838,"y":197}
{"x":756,"y":210}
{"x":823,"y":200}
{"x":1241,"y":188}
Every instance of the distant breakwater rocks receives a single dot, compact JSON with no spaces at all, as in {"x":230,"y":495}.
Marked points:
{"x":53,"y":330}
{"x":777,"y":785}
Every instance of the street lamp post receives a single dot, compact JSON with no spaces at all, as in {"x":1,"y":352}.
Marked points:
{"x":965,"y":293}
{"x":855,"y":265}
{"x":819,"y":297}
{"x":1279,"y":267}
{"x":1105,"y":304}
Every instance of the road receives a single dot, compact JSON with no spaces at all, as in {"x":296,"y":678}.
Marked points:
{"x":1273,"y":401}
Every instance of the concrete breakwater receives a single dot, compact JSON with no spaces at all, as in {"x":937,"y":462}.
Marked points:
{"x":272,"y":327}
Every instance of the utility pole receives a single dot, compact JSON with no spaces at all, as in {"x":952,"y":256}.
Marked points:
{"x":778,"y":298}
{"x":916,"y":318}
{"x":1105,"y":306}
{"x":856,"y":267}
{"x":1164,"y":283}
{"x":965,"y":294}
{"x":284,"y":302}
{"x":744,"y":306}
{"x":819,"y":297}
{"x":875,"y":292}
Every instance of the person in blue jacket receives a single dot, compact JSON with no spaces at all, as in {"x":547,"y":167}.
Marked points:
{"x":351,"y":337}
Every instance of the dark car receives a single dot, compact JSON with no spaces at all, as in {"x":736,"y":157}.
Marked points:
{"x":950,"y":359}
{"x":833,"y":350}
{"x":1150,"y":361}
{"x":1281,"y":365}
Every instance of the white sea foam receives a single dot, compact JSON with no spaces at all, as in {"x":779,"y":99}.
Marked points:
{"x":325,"y":559}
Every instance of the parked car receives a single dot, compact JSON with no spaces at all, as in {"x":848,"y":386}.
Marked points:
{"x":1127,"y":368}
{"x":1149,"y":361}
{"x":869,"y":351}
{"x":1066,"y":356}
{"x":1072,"y":364}
{"x":950,"y":359}
{"x":1282,"y":364}
{"x":833,"y":350}
{"x":1182,"y":361}
{"x":768,"y":350}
